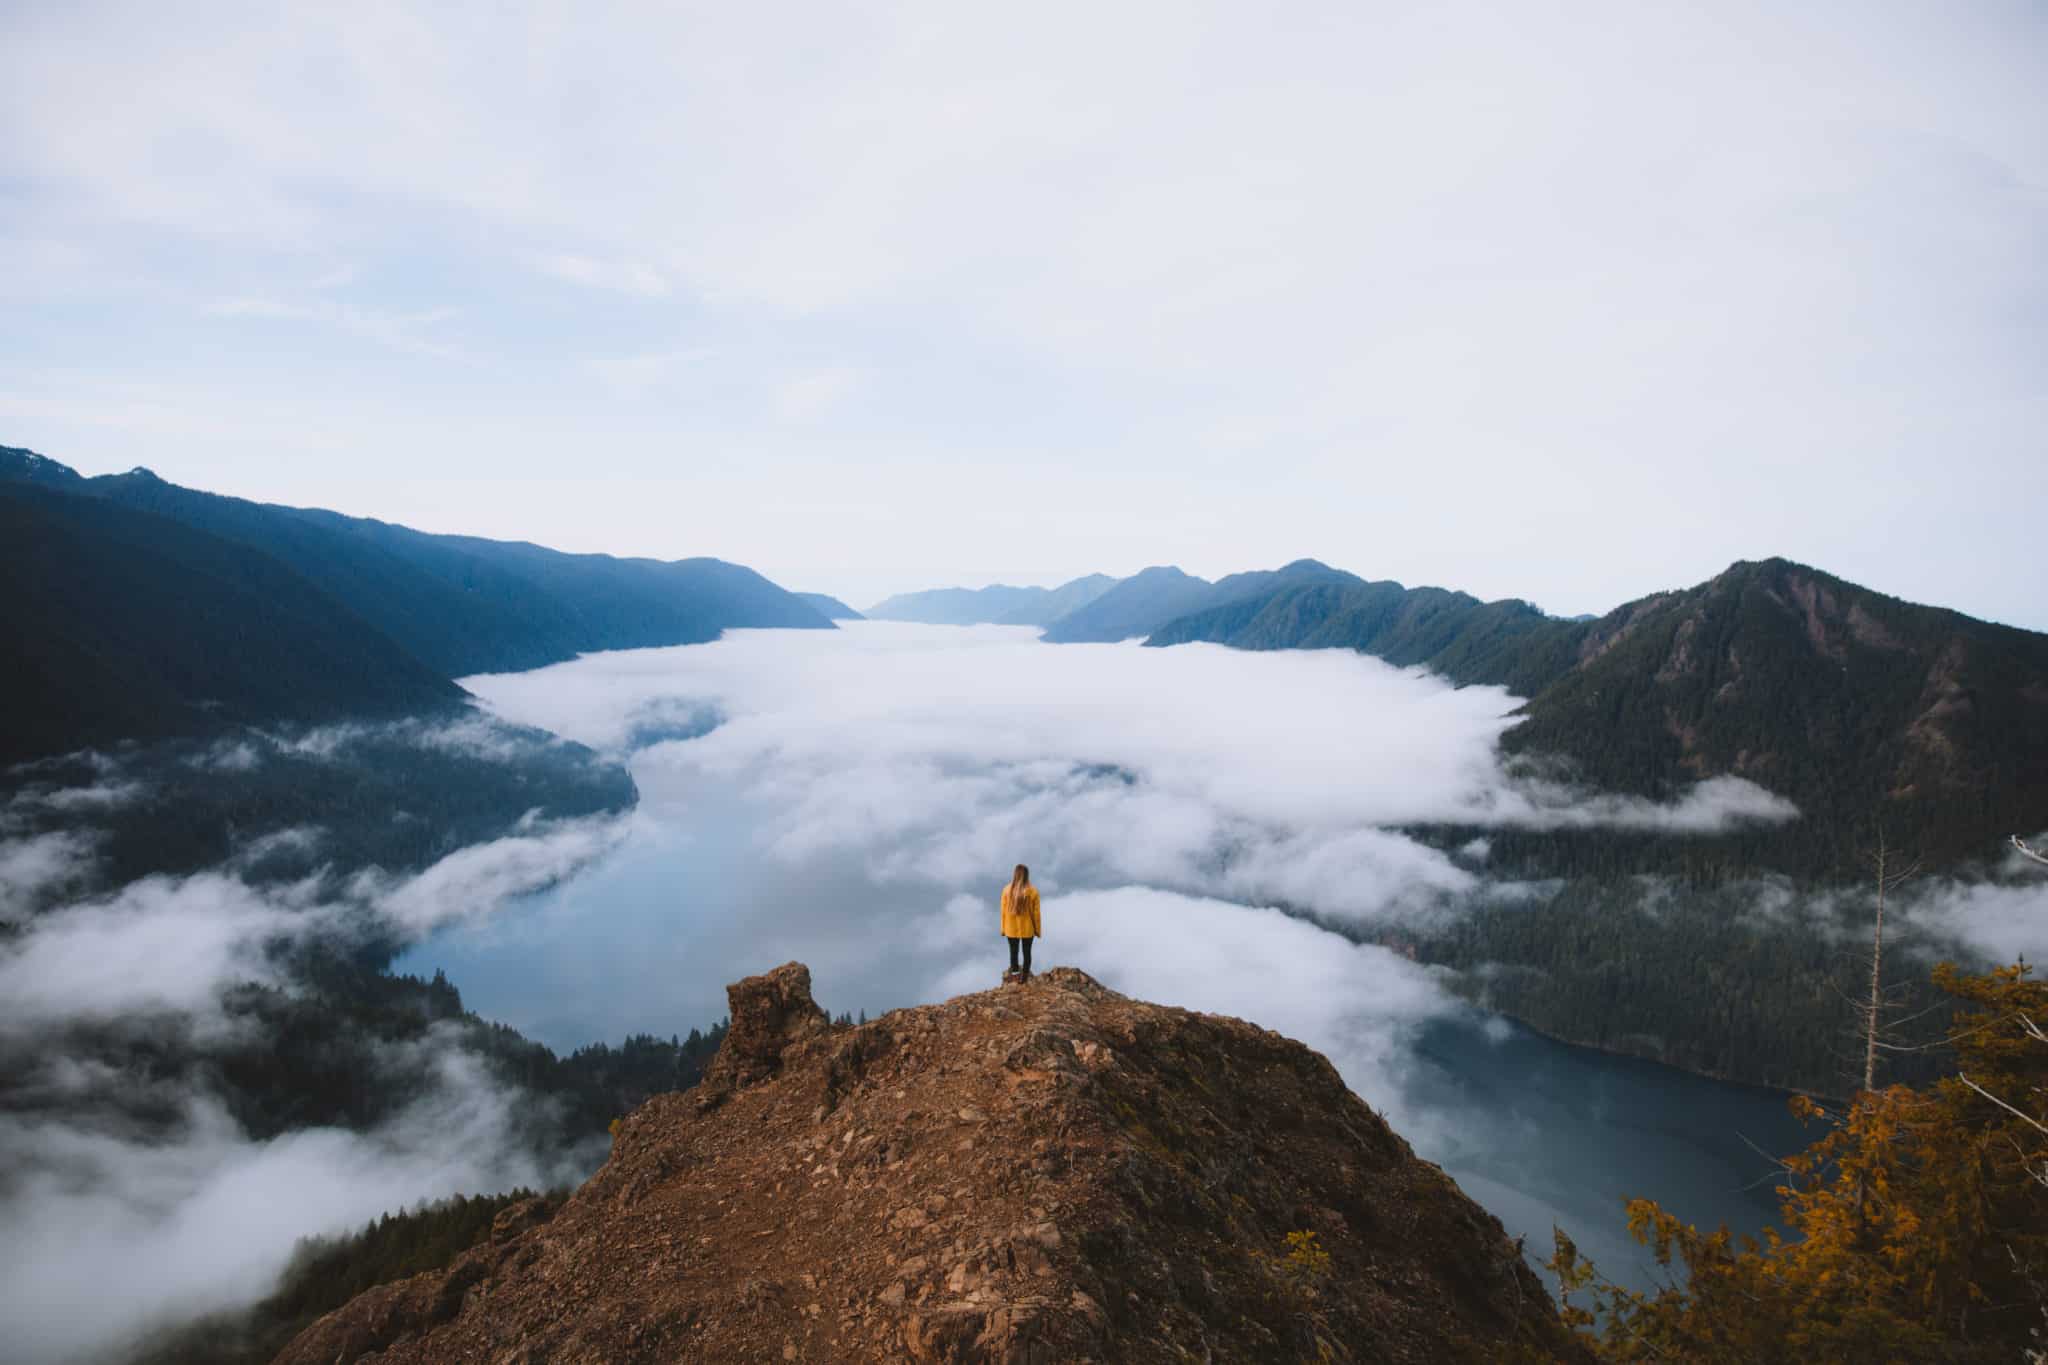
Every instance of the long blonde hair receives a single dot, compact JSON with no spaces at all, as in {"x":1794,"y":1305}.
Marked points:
{"x":1020,"y":881}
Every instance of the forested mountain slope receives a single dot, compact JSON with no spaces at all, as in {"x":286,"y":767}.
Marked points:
{"x":1148,"y":601}
{"x":999,"y":603}
{"x":1468,"y":641}
{"x":955,"y":606}
{"x":1864,"y":710}
{"x":121,"y":624}
{"x":1067,"y":597}
{"x":1136,"y":606}
{"x":461,"y":604}
{"x":1869,"y":713}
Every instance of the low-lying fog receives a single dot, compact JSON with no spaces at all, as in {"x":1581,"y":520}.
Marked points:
{"x":855,"y":800}
{"x":852,"y":799}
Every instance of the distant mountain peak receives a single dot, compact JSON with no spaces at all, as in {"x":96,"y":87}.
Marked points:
{"x":26,"y":466}
{"x":996,"y":604}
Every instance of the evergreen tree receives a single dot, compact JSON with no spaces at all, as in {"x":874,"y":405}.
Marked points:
{"x":1917,"y":1226}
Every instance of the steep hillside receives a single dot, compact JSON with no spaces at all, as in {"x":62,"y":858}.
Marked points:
{"x":1160,"y":598}
{"x":461,"y":604}
{"x":956,"y":606}
{"x":125,"y":625}
{"x":1048,"y":1172}
{"x":1864,"y":710}
{"x":1066,"y":598}
{"x":997,"y":604}
{"x":1259,"y":583}
{"x":831,"y":608}
{"x":1136,"y":606}
{"x":1469,"y":641}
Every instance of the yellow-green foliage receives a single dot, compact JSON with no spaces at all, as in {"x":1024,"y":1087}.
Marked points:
{"x":1918,"y":1224}
{"x":1305,"y":1262}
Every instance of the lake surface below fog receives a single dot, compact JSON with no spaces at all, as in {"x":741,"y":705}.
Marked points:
{"x":853,"y":800}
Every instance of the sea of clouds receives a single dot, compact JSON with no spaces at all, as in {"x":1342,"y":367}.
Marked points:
{"x":853,"y":799}
{"x":947,"y":754}
{"x":864,"y":794}
{"x":130,"y":1202}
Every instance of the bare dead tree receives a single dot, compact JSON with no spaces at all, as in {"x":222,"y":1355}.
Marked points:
{"x":2038,"y":1168}
{"x":1890,"y":875}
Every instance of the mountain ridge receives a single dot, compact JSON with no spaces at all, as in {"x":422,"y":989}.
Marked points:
{"x":996,"y":604}
{"x":463,"y":604}
{"x":1871,"y":713}
{"x":128,"y":626}
{"x":1045,"y":1172}
{"x":1131,"y":607}
{"x":141,"y":609}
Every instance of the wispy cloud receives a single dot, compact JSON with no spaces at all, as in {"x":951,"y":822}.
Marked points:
{"x":157,"y":946}
{"x":407,"y":332}
{"x":810,"y":395}
{"x":624,"y":277}
{"x":41,"y":866}
{"x":191,"y":1213}
{"x":866,"y":793}
{"x":933,"y":754}
{"x":474,"y":882}
{"x":644,"y":372}
{"x":171,"y":1229}
{"x":1233,"y":282}
{"x":2002,"y":921}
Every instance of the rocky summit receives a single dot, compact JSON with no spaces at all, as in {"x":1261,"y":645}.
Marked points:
{"x":1043,"y":1172}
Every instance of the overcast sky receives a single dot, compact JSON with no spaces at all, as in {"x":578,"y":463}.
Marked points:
{"x":1566,"y":302}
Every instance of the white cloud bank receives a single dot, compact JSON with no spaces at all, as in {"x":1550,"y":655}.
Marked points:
{"x":939,"y":753}
{"x":2005,"y":922}
{"x":109,"y":1231}
{"x":868,"y":789}
{"x":863,"y":791}
{"x":171,"y":945}
{"x":109,"y":1235}
{"x":1356,"y":1003}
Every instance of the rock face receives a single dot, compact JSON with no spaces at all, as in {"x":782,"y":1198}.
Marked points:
{"x":770,"y":1014}
{"x":1042,"y":1173}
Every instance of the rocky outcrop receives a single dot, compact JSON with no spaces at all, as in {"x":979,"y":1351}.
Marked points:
{"x":1046,"y":1172}
{"x":770,"y":1014}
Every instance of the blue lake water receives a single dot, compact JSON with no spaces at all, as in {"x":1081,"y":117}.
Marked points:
{"x":854,"y":799}
{"x":1538,"y":1131}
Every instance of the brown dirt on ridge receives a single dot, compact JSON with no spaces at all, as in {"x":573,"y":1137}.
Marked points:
{"x":1048,"y":1172}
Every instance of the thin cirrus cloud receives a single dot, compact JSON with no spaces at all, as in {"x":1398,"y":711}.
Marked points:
{"x":625,"y":277}
{"x":409,"y":333}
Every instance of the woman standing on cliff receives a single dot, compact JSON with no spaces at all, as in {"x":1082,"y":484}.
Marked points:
{"x":1020,"y":921}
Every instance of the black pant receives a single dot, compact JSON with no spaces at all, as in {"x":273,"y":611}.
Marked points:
{"x":1013,"y":953}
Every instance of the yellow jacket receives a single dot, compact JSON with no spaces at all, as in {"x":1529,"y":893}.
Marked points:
{"x":1020,"y":913}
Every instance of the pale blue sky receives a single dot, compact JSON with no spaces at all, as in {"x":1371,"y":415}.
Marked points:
{"x":1571,"y":302}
